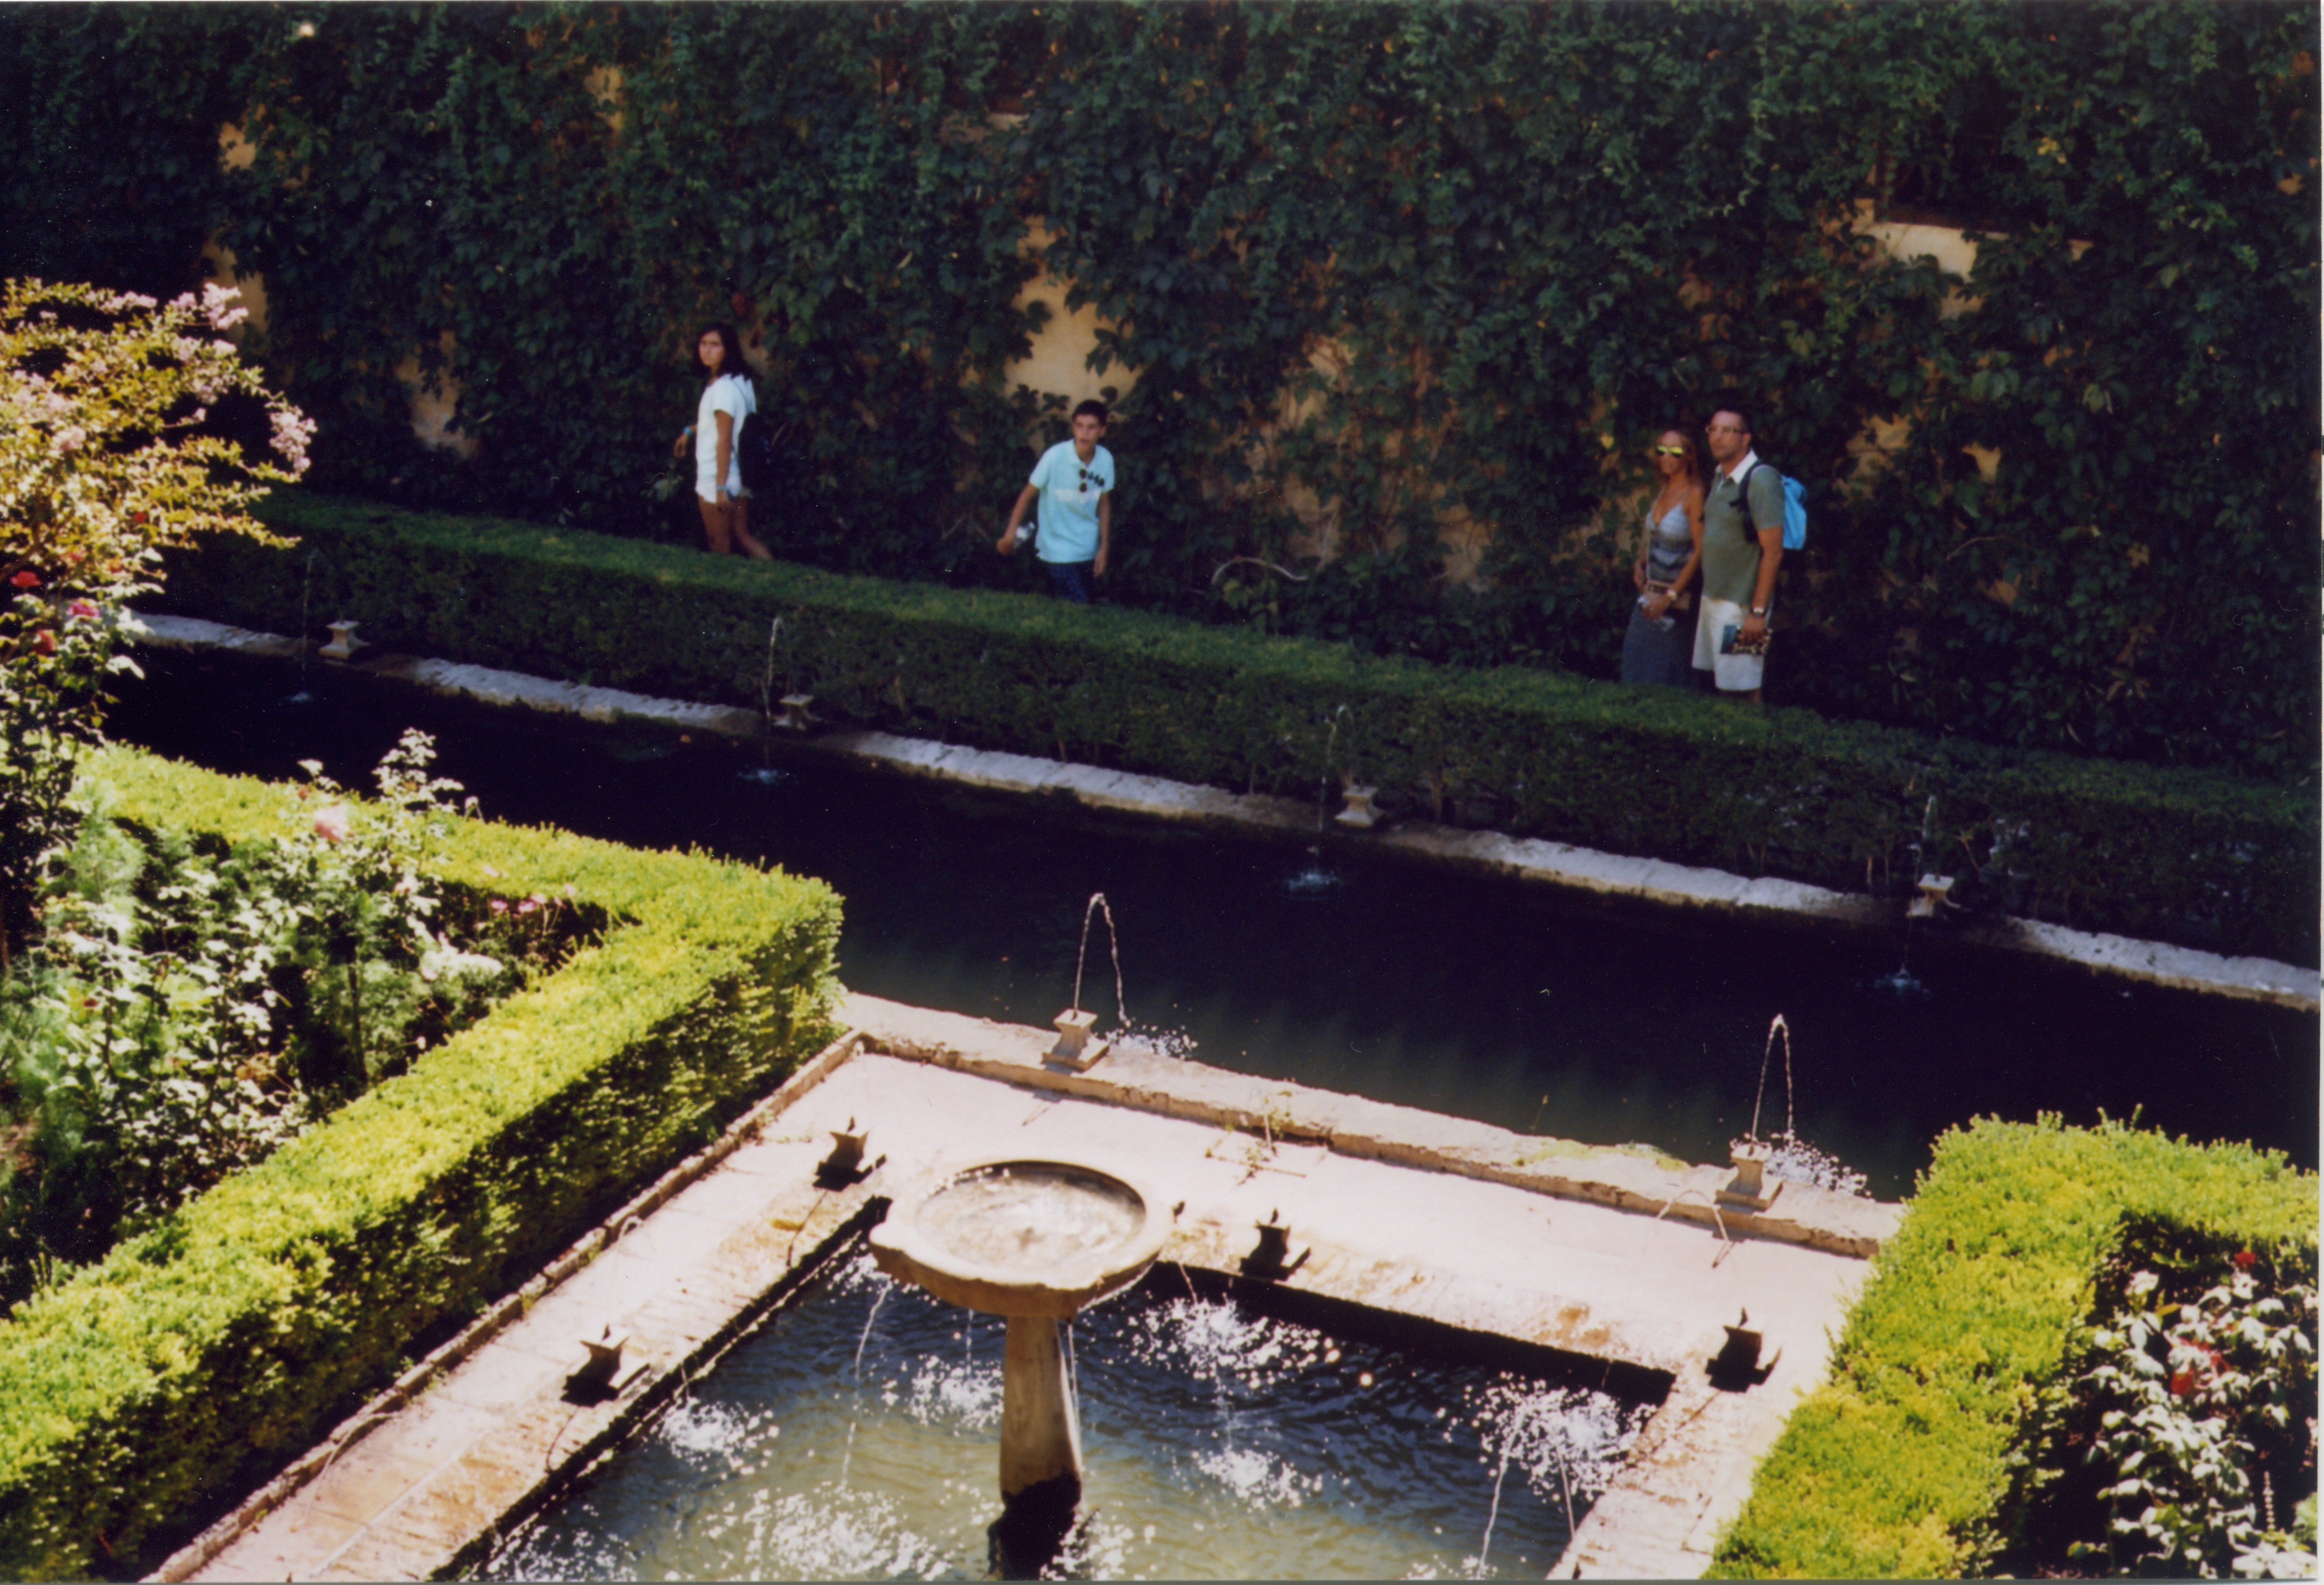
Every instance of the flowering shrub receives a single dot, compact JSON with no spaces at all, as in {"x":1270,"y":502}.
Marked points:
{"x":188,"y":1010}
{"x":126,"y":426}
{"x":2205,"y":1413}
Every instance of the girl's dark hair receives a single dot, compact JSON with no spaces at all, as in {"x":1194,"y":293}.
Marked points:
{"x":730,"y":359}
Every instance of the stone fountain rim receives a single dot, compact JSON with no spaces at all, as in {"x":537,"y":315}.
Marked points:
{"x":904,"y":1252}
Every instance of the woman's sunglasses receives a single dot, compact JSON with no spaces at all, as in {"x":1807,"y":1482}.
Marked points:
{"x":1670,"y":450}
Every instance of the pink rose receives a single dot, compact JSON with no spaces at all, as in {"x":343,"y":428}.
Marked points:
{"x":500,"y":904}
{"x":45,"y":642}
{"x":83,"y":609}
{"x":331,"y":824}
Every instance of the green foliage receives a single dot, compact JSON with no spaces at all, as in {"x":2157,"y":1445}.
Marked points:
{"x":188,"y":1009}
{"x":1914,"y":1458}
{"x":125,"y":425}
{"x":199,"y":1357}
{"x":2197,"y":1388}
{"x":2182,"y":854}
{"x":52,"y":711}
{"x":1441,"y":269}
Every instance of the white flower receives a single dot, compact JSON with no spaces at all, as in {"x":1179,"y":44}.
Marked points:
{"x":292,"y":430}
{"x":218,"y":303}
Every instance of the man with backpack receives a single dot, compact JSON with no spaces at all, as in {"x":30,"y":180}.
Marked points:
{"x":1742,"y":548}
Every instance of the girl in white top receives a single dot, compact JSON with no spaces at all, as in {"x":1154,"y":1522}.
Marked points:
{"x":726,"y":396}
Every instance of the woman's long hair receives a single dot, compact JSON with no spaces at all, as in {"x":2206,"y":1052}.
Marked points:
{"x":730,"y":359}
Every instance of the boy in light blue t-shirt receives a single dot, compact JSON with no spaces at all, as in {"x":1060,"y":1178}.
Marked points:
{"x":1074,"y":482}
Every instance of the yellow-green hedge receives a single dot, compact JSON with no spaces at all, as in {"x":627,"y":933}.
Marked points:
{"x":195,"y":1359}
{"x":1910,"y":1461}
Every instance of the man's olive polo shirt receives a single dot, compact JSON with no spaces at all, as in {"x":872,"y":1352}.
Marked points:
{"x":1730,"y":558}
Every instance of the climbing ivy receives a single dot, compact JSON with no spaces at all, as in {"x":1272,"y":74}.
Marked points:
{"x":1436,"y":272}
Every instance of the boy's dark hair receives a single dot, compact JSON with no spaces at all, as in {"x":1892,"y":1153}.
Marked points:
{"x":1092,"y":407}
{"x":731,"y":360}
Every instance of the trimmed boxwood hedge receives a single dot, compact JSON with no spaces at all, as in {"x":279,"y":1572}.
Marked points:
{"x":199,"y":1357}
{"x":2191,"y":855}
{"x":1910,"y":1461}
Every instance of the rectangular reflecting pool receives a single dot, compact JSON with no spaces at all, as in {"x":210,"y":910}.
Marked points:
{"x":856,"y":1436}
{"x":1325,"y":962}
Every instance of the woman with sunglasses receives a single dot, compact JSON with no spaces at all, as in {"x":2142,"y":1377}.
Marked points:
{"x":726,"y":396}
{"x":1659,"y":644}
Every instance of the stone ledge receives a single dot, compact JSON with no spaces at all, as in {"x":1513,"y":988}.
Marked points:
{"x":1622,"y":1178}
{"x":429,"y":1492}
{"x":198,"y":1554}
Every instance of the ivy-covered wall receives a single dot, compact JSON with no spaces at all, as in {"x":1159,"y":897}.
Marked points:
{"x":1421,"y":261}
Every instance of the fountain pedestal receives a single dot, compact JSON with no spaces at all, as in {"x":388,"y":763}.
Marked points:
{"x":1040,"y":1430}
{"x":1037,"y":1242}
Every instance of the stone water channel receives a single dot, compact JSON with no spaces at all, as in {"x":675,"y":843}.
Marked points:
{"x":1448,"y":1380}
{"x":1316,"y":958}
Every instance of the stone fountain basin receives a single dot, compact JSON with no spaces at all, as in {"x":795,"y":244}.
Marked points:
{"x":1022,"y":1236}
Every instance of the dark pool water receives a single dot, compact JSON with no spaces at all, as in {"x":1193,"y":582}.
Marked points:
{"x":858,"y":1436}
{"x":1332,"y":964}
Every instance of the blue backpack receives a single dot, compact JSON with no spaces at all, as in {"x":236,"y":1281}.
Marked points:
{"x":1795,"y":509}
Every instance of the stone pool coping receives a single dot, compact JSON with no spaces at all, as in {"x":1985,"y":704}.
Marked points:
{"x":1435,"y":1220}
{"x":1650,"y":880}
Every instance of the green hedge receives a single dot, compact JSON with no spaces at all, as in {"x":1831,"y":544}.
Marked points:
{"x":199,"y":1357}
{"x":2194,"y":856}
{"x":1910,"y":1461}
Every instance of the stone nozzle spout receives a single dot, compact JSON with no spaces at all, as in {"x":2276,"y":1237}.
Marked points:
{"x":344,"y":642}
{"x":602,"y":1373}
{"x":1737,"y":1365}
{"x":1360,"y":815}
{"x":1075,"y":1048}
{"x":1270,"y":1262}
{"x":1936,"y":895}
{"x":1749,"y":1188}
{"x":846,"y":1153}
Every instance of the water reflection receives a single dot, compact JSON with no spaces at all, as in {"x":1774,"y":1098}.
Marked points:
{"x":1399,"y":981}
{"x":1221,"y":1443}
